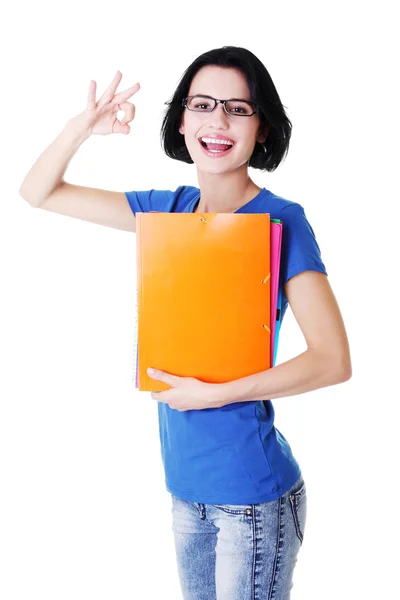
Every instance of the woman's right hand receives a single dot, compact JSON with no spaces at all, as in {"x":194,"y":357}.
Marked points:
{"x":100,"y":118}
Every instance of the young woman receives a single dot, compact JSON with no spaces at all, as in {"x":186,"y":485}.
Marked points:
{"x":238,"y":495}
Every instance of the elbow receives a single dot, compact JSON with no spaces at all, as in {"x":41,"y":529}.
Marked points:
{"x":343,"y":371}
{"x":27,"y":198}
{"x":22,"y":194}
{"x":336,"y":367}
{"x":345,"y":375}
{"x":23,"y":190}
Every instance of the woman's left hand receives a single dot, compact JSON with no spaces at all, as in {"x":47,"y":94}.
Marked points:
{"x":187,"y":393}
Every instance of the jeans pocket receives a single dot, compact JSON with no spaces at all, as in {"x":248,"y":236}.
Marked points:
{"x":235,"y":509}
{"x":298,"y":504}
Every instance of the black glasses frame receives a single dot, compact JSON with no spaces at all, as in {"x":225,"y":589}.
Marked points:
{"x":253,"y":104}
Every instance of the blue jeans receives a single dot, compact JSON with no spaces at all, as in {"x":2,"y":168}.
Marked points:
{"x":239,"y":552}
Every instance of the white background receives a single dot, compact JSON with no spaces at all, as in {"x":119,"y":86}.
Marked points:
{"x":84,"y":510}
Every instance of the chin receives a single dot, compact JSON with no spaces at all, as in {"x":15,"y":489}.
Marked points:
{"x":214,"y":169}
{"x":214,"y":165}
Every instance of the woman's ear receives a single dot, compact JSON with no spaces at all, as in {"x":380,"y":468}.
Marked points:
{"x":263,"y":133}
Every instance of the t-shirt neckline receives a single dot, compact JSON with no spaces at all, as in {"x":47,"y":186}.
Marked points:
{"x":196,"y":199}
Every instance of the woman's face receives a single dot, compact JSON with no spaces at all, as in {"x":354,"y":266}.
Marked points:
{"x":221,"y":83}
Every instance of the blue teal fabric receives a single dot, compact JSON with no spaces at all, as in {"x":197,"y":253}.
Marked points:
{"x":233,"y":454}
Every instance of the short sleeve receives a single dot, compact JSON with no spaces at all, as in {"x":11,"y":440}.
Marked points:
{"x":300,"y":250}
{"x":147,"y":200}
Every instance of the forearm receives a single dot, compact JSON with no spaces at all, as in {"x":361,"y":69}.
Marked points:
{"x":48,"y":170}
{"x":304,"y":373}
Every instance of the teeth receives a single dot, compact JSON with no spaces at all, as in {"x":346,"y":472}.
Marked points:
{"x":216,"y":141}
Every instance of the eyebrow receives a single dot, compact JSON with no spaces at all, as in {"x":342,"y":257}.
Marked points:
{"x":230,"y":98}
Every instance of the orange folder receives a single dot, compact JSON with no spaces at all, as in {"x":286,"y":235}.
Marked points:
{"x":203,"y":295}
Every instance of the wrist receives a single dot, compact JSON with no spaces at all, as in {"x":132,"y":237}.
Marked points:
{"x":76,"y":132}
{"x":221,"y":394}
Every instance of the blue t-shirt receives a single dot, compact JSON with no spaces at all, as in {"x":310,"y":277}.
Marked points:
{"x":233,"y":454}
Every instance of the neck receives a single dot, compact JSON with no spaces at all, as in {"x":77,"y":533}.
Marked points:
{"x":225,"y":192}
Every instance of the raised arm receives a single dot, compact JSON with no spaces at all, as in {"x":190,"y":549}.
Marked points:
{"x":44,"y":185}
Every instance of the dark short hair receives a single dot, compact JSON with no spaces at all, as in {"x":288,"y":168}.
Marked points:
{"x":266,"y":156}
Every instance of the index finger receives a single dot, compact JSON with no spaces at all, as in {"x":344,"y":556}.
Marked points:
{"x":122,"y":96}
{"x":110,"y":91}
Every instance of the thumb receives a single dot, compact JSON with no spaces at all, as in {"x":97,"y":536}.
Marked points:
{"x":156,"y":373}
{"x":163,"y":376}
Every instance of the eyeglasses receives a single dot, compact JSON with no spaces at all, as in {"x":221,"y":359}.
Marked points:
{"x":233,"y":106}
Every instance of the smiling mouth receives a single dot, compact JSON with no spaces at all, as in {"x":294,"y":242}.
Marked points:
{"x":216,"y":148}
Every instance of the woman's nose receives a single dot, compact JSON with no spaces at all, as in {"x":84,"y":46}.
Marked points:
{"x":218,"y":115}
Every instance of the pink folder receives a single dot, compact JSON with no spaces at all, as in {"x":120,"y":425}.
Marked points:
{"x":276,"y":243}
